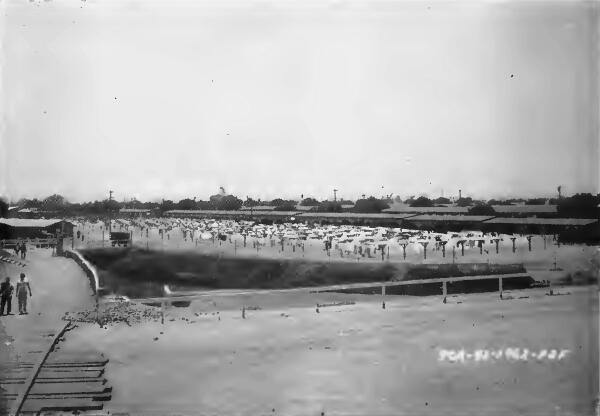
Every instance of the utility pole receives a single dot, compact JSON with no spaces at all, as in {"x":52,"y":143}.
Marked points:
{"x":110,"y":193}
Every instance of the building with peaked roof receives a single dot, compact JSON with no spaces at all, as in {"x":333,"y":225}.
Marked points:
{"x":526,"y":210}
{"x":306,"y":208}
{"x":134,"y":212}
{"x":400,"y":208}
{"x":261,"y":216}
{"x":581,"y":230}
{"x":354,"y":218}
{"x":444,"y":223}
{"x":14,"y":228}
{"x":259,"y":208}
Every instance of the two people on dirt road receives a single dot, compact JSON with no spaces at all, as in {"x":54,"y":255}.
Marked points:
{"x":6,"y":291}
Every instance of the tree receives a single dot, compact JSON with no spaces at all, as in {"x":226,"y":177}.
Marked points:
{"x":205,"y":205}
{"x":110,"y":205}
{"x":441,"y":200}
{"x":277,"y":202}
{"x":498,"y":202}
{"x":579,"y":206}
{"x":535,"y":201}
{"x":346,"y":202}
{"x":150,"y":205}
{"x":482,"y":209}
{"x":330,"y":206}
{"x":465,"y":202}
{"x":229,"y":203}
{"x":422,"y":201}
{"x":186,"y":204}
{"x":3,"y":208}
{"x":167,"y":205}
{"x":29,"y":203}
{"x":249,"y":202}
{"x":214,"y":199}
{"x":397,"y":199}
{"x":370,"y":205}
{"x":54,"y":203}
{"x":289,"y":206}
{"x":309,"y":202}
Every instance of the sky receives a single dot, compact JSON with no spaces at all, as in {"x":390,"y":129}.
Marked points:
{"x":172,"y":99}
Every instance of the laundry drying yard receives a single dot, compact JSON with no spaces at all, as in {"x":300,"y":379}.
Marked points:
{"x":348,"y":243}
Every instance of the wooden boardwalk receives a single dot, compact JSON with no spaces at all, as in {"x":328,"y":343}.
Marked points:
{"x":51,"y":381}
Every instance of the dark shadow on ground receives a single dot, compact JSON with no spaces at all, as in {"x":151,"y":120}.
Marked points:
{"x":140,"y":273}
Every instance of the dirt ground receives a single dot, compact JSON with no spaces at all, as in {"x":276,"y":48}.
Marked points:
{"x":284,"y":358}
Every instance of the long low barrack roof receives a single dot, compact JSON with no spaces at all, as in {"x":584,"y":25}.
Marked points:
{"x":199,"y":212}
{"x":450,"y":218}
{"x":542,"y":221}
{"x":382,"y":216}
{"x":33,"y":223}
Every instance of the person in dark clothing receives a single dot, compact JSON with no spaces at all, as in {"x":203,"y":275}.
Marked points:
{"x":6,"y":290}
{"x":23,"y":250}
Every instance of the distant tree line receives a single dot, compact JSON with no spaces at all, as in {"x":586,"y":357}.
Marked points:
{"x":583,"y":205}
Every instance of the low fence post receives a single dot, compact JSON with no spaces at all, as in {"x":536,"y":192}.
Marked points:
{"x":444,"y":290}
{"x":500,"y":286}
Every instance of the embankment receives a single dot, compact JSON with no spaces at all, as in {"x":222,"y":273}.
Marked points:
{"x":80,"y":260}
{"x":139,"y":273}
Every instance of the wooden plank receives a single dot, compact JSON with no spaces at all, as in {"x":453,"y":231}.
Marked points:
{"x":69,"y":397}
{"x":84,"y":404}
{"x":35,"y":371}
{"x":64,"y":364}
{"x":75,"y":373}
{"x":69,"y":372}
{"x":65,"y":371}
{"x":65,"y":356}
{"x":71,"y":380}
{"x":13,"y":388}
{"x":69,"y":388}
{"x":64,"y":396}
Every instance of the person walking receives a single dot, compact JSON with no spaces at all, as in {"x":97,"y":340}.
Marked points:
{"x":6,"y":290}
{"x":22,"y":289}
{"x":23,"y":250}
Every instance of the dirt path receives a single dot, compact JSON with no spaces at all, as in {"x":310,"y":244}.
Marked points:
{"x":57,"y":285}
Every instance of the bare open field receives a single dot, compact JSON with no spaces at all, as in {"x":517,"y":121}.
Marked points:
{"x":357,"y":359}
